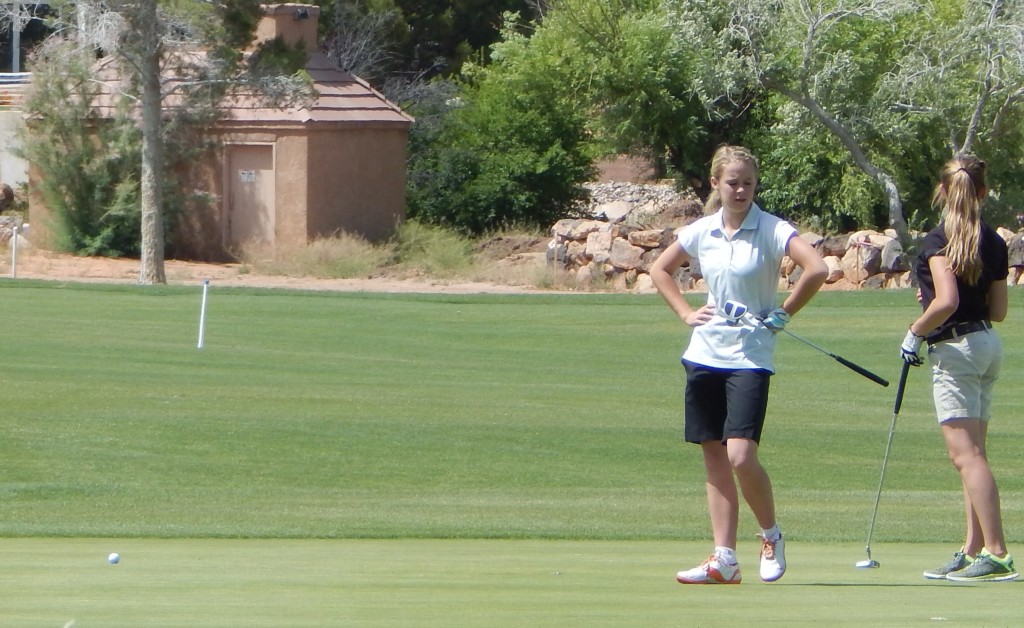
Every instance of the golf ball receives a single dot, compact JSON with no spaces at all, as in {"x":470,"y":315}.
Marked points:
{"x":114,"y":558}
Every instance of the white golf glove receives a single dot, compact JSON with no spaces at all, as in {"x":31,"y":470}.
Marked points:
{"x":911,"y":348}
{"x":776,"y":320}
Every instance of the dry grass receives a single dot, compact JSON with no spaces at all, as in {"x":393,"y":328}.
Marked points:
{"x":342,"y":256}
{"x":513,"y":257}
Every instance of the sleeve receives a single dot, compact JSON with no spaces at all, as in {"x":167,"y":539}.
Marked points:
{"x":784,"y":232}
{"x":932,"y":245}
{"x":689,"y":238}
{"x":1002,"y":266}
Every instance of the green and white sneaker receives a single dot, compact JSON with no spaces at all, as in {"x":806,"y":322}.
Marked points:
{"x":986,"y":568}
{"x":958,"y":562}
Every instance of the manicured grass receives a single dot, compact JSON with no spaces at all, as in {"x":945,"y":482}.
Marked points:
{"x":414,"y":416}
{"x":371,"y":460}
{"x":219,"y":582}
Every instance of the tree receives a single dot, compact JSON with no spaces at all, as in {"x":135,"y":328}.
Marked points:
{"x":89,"y":172}
{"x":620,"y":61}
{"x":844,"y":63}
{"x":507,"y":149}
{"x":969,"y":82}
{"x":157,"y":46}
{"x":804,"y":50}
{"x":16,"y":16}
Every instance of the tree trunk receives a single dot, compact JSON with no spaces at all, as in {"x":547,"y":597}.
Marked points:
{"x":151,"y":197}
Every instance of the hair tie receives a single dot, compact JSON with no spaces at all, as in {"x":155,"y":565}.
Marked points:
{"x":962,"y":169}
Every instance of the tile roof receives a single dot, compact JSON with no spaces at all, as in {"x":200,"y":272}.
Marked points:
{"x":343,"y":98}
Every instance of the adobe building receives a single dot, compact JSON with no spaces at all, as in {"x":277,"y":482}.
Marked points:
{"x":287,"y":176}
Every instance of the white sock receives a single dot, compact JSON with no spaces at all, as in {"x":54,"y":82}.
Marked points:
{"x":773,"y":533}
{"x":726,"y":554}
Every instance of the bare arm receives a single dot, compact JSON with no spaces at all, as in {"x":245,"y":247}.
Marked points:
{"x":946,"y":300}
{"x":661,"y":273}
{"x":813,"y":276}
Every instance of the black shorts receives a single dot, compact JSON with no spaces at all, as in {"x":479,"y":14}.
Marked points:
{"x":725,"y":403}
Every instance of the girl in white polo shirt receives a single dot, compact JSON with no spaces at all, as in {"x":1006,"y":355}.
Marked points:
{"x":728,"y":361}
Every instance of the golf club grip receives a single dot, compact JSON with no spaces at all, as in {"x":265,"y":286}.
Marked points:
{"x":860,"y":369}
{"x":900,"y":388}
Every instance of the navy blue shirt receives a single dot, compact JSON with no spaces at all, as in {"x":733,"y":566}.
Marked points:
{"x":973,"y":299}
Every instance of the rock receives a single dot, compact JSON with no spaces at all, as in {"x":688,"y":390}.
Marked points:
{"x":642,"y":220}
{"x":616,"y":211}
{"x":1016,"y":248}
{"x":892,"y":257}
{"x":625,"y":256}
{"x":835,"y":269}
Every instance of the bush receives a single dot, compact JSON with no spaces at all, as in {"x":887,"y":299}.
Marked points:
{"x":86,"y":168}
{"x":503,"y":153}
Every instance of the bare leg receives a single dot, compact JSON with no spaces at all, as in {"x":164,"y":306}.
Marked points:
{"x":723,"y":500}
{"x":975,"y":540}
{"x":965,"y":442}
{"x":753,"y":480}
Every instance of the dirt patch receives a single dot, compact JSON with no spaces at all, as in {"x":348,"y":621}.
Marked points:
{"x":38,"y":264}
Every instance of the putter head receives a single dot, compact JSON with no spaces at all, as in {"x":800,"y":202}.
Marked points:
{"x":868,"y":564}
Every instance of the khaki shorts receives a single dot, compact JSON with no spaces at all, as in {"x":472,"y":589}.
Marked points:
{"x":964,"y":372}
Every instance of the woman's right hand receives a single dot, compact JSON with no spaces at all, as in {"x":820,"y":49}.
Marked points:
{"x":700,"y":316}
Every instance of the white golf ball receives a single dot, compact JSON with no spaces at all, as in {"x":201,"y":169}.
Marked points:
{"x":114,"y":558}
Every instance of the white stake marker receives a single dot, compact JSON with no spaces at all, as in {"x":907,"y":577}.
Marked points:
{"x":202,"y":314}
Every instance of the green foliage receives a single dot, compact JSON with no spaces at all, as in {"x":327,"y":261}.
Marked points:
{"x":805,"y":176}
{"x":232,"y":26}
{"x":507,"y":150}
{"x":85,"y":168}
{"x":621,"y":62}
{"x":89,"y":167}
{"x":275,"y":57}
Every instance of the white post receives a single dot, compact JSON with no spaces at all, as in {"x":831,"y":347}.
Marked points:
{"x":14,"y":251}
{"x":202,"y":314}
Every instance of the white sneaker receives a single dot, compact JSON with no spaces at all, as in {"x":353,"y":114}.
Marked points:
{"x":711,"y":571}
{"x":773,"y":559}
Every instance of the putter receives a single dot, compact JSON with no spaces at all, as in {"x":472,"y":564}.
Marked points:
{"x":735,"y":310}
{"x":871,"y":563}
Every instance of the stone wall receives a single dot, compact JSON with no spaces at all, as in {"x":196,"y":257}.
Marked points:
{"x":630,"y":225}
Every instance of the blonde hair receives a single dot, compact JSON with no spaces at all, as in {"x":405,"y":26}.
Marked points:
{"x":959,"y":194}
{"x":725,"y":155}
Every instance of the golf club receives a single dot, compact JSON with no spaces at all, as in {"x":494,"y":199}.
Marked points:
{"x":850,"y":365}
{"x":870,"y":563}
{"x":734,"y":310}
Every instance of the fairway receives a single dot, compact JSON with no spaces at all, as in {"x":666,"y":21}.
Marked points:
{"x":477,"y":460}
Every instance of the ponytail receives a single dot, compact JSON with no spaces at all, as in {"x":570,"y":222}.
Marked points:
{"x":959,"y":194}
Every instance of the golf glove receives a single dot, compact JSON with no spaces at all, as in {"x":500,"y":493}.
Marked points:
{"x":776,"y":320}
{"x":911,"y":348}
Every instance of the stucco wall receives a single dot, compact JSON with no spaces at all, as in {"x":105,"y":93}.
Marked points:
{"x":13,"y":169}
{"x":326,"y":180}
{"x":357,"y":181}
{"x":291,"y":167}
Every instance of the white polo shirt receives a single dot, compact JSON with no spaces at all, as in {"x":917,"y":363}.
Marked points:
{"x":744,"y":268}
